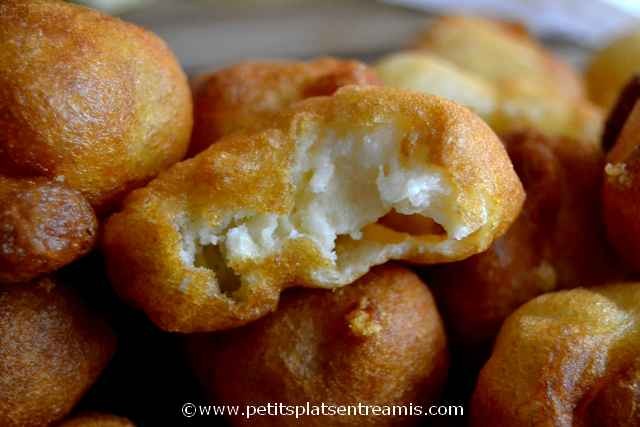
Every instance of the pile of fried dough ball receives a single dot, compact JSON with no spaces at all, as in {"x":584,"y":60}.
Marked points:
{"x":288,"y":216}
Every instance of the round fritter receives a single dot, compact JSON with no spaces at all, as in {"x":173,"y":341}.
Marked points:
{"x":87,"y":99}
{"x":43,"y":226}
{"x":211,"y":243}
{"x":51,"y":351}
{"x":510,"y":106}
{"x":621,"y":188}
{"x":611,"y":68}
{"x":379,"y":341}
{"x":501,"y":53}
{"x":568,"y":358}
{"x":424,"y":72}
{"x":557,"y":242}
{"x":522,"y":105}
{"x":96,"y":420}
{"x":251,"y":93}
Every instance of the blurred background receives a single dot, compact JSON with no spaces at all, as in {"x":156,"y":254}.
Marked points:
{"x":213,"y":33}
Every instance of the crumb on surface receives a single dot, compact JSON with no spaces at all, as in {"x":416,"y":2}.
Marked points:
{"x":617,"y":173}
{"x":363,"y":321}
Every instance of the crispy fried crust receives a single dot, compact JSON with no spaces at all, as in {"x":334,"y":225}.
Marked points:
{"x":612,"y":67}
{"x":43,"y":226}
{"x":96,"y":420}
{"x":87,"y":99}
{"x":567,"y":359}
{"x":557,"y":242}
{"x":379,"y":341}
{"x":251,"y":93}
{"x":621,"y":189}
{"x":211,"y":243}
{"x":51,"y":351}
{"x":499,"y":52}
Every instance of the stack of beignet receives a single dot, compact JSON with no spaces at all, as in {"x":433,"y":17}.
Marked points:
{"x":90,"y":108}
{"x":283,"y":225}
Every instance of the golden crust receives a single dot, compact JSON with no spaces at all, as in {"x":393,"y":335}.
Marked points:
{"x":87,"y":99}
{"x":545,"y":249}
{"x":512,"y":106}
{"x":621,"y":190}
{"x":565,"y":358}
{"x":379,"y":341}
{"x":183,"y":249}
{"x":51,"y":351}
{"x":250,"y":94}
{"x":611,"y":67}
{"x":500,"y":52}
{"x":43,"y":226}
{"x":96,"y":420}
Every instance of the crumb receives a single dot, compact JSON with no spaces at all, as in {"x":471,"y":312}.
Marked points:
{"x":362,"y":321}
{"x":617,"y":173}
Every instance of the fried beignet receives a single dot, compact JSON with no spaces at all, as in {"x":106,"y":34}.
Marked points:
{"x":51,"y":351}
{"x":97,"y":420}
{"x":88,"y":100}
{"x":379,"y":341}
{"x":621,"y":188}
{"x":43,"y":226}
{"x":427,"y":73}
{"x":211,"y":243}
{"x":511,"y":106}
{"x":250,"y":94}
{"x":500,"y":52}
{"x":557,"y":242}
{"x":568,"y":358}
{"x":612,"y":67}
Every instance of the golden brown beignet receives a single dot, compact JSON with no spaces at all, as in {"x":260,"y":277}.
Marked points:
{"x":250,"y":94}
{"x":211,"y":243}
{"x":51,"y":351}
{"x":43,"y":226}
{"x":516,"y":105}
{"x":96,"y":420}
{"x":568,"y":358}
{"x":557,"y":242}
{"x":428,"y":73}
{"x":501,"y":53}
{"x":87,"y":100}
{"x":621,"y":188}
{"x":379,"y":341}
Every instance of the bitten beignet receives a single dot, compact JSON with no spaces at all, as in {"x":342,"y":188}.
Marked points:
{"x":314,"y":200}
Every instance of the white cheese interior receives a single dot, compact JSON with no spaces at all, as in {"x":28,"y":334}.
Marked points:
{"x":343,"y":183}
